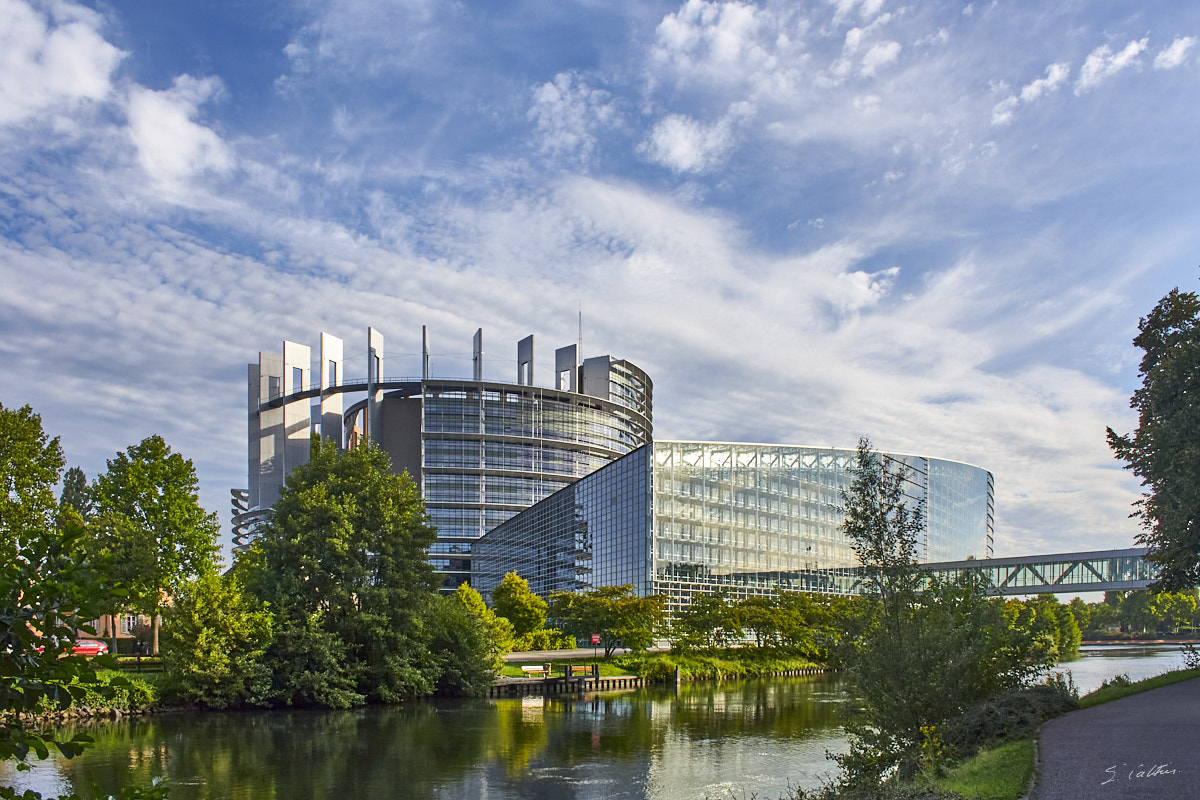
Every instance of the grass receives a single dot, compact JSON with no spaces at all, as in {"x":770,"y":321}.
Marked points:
{"x":997,"y":773}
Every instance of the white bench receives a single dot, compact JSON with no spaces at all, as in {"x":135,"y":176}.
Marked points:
{"x":535,"y":671}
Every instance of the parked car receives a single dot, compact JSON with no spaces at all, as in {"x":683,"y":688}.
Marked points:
{"x":90,"y":647}
{"x":84,"y":647}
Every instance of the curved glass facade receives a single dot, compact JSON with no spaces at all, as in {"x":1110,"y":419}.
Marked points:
{"x":677,"y":518}
{"x":488,"y":451}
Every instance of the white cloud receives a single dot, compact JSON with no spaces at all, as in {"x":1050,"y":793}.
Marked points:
{"x":721,"y":43}
{"x":881,"y":54}
{"x":682,"y":144}
{"x":1102,"y":63}
{"x":51,"y":61}
{"x":566,"y":113}
{"x":172,"y":147}
{"x":1002,"y":112}
{"x":1175,"y":53}
{"x":1056,"y":75}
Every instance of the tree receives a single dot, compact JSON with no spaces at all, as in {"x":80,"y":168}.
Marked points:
{"x":30,"y":463}
{"x":464,"y":653}
{"x":1082,"y":613}
{"x":513,"y":600}
{"x":710,"y":620}
{"x":615,"y":612}
{"x":498,"y":630}
{"x":931,"y":649}
{"x":48,"y":591}
{"x":1164,"y":449}
{"x":882,"y":528}
{"x":76,"y":494}
{"x":214,"y":640}
{"x":151,"y":517}
{"x":343,"y":564}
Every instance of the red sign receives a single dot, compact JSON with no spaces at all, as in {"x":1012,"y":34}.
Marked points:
{"x":595,"y":638}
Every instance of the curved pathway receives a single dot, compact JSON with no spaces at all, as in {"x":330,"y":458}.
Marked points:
{"x":1143,"y":746}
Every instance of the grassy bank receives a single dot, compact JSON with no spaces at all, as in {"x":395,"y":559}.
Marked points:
{"x":747,"y":662}
{"x":1003,"y":773}
{"x":133,"y":695}
{"x":708,"y":665}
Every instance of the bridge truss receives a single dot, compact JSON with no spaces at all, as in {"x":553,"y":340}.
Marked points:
{"x":1097,"y":571}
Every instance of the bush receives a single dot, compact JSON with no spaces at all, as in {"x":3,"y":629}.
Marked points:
{"x":213,"y":645}
{"x":1006,"y":717}
{"x":461,"y":649}
{"x":545,"y":639}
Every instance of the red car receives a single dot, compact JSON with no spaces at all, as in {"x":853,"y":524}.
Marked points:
{"x":90,"y":647}
{"x":84,"y":647}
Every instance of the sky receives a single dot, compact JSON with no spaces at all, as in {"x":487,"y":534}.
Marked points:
{"x":933,"y":224}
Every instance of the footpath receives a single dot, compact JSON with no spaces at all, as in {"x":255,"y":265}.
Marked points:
{"x":1143,"y":746}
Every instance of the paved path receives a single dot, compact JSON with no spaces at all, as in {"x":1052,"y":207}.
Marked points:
{"x":1144,"y":746}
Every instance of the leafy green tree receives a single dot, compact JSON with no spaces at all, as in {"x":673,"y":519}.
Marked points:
{"x":30,"y":463}
{"x":214,"y":638}
{"x":1101,"y":615}
{"x":462,"y":650}
{"x":1178,"y":609}
{"x":76,"y":494}
{"x":343,"y":564}
{"x":516,"y":602}
{"x":1139,"y":612}
{"x":815,"y":625}
{"x":882,"y":529}
{"x":931,"y":649}
{"x":153,"y":525}
{"x":760,"y":617}
{"x":1163,"y":450}
{"x":498,"y":630}
{"x":48,"y":591}
{"x":1082,"y":613}
{"x":710,"y":620}
{"x":615,"y":612}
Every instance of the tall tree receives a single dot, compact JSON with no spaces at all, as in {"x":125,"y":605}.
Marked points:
{"x":883,"y":524}
{"x":516,"y":602}
{"x":150,"y":500}
{"x":48,"y":591}
{"x":343,"y":564}
{"x":76,"y":493}
{"x":932,"y":648}
{"x":1164,"y":451}
{"x":30,"y":463}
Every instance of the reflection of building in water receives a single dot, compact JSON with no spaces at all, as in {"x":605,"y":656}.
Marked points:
{"x":479,"y":450}
{"x":677,"y":518}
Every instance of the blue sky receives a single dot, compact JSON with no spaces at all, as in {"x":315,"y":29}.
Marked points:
{"x":935,"y":224}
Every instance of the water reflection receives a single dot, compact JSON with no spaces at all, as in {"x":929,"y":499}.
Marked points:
{"x":758,"y":736}
{"x":1098,"y":663}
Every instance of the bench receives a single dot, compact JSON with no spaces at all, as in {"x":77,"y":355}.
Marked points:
{"x":581,"y":669}
{"x":535,"y":670}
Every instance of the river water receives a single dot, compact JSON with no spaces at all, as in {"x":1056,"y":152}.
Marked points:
{"x":741,"y":739}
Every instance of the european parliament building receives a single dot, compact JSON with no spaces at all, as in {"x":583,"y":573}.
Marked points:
{"x":677,"y":518}
{"x":567,"y":486}
{"x":479,"y":451}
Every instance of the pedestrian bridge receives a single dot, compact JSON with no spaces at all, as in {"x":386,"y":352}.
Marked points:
{"x":1097,"y":571}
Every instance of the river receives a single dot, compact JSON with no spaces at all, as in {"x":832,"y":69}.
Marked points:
{"x":752,"y":738}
